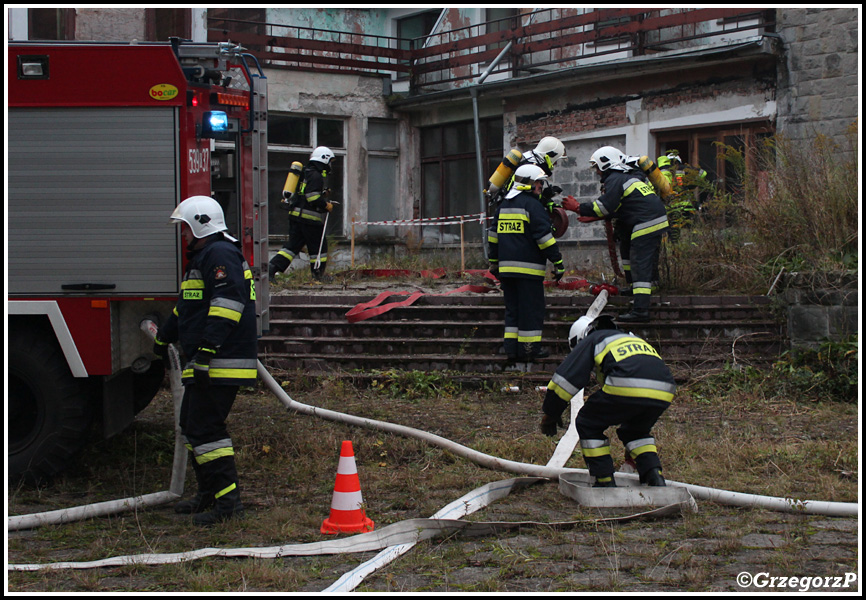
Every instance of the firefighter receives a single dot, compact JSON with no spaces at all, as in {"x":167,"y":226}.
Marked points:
{"x":684,"y":180}
{"x":308,"y":208}
{"x":637,"y":387}
{"x":215,"y":322}
{"x":520,"y":242}
{"x":641,"y":222}
{"x":681,"y":176}
{"x":545,"y":154}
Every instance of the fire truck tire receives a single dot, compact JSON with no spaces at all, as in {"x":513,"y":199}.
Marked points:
{"x":147,"y":385}
{"x":49,"y":411}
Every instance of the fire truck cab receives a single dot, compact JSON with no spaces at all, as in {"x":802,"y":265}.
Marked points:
{"x":104,"y":140}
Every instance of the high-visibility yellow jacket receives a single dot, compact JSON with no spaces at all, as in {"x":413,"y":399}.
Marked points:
{"x":520,"y":241}
{"x":217,"y":310}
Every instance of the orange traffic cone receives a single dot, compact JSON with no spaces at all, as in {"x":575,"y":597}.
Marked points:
{"x":347,"y":512}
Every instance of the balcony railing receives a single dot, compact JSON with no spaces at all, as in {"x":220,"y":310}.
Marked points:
{"x":550,"y":39}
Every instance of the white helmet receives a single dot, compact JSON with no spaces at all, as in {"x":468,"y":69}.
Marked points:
{"x":584,"y":325}
{"x":524,"y":178}
{"x":204,"y":216}
{"x":549,"y":150}
{"x":322,"y":154}
{"x":608,"y":157}
{"x":579,"y":330}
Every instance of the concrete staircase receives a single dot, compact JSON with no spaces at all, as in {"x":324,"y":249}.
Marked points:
{"x":462,"y":334}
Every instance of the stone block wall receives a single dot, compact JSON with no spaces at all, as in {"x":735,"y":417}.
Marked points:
{"x":819,"y":81}
{"x":820,"y":307}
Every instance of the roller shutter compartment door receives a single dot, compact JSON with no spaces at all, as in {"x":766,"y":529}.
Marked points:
{"x":90,"y":191}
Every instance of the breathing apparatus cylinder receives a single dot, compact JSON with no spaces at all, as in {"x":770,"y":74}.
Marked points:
{"x":292,"y":179}
{"x":656,"y":177}
{"x":504,"y":171}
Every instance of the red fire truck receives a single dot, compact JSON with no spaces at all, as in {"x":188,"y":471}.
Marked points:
{"x":104,"y":140}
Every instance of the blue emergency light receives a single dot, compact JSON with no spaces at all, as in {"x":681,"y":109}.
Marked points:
{"x":215,"y":121}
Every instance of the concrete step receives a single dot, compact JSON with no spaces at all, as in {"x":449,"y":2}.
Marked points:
{"x":462,"y":334}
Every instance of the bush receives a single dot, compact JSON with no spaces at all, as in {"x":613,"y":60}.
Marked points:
{"x":829,"y":373}
{"x":792,"y":206}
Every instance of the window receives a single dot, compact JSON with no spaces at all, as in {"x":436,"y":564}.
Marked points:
{"x":500,"y":19}
{"x":449,"y":177}
{"x":330,"y":133}
{"x":164,"y":23}
{"x":289,"y":130}
{"x":704,"y":148}
{"x":51,"y":23}
{"x":238,"y":20}
{"x":292,"y":138}
{"x":382,"y":176}
{"x":415,"y":26}
{"x":609,"y":38}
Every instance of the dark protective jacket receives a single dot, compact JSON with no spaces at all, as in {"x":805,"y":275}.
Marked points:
{"x":630,"y":198}
{"x":217,"y":309}
{"x":310,"y":200}
{"x":625,"y":365}
{"x":521,"y":238}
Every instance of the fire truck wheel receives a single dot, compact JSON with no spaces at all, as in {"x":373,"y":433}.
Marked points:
{"x":49,"y":413}
{"x":147,"y":385}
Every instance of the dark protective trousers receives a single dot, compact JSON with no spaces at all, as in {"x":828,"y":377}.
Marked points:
{"x":635,"y":417}
{"x":640,"y":259}
{"x":524,"y":314}
{"x":302,"y":233}
{"x":203,"y":417}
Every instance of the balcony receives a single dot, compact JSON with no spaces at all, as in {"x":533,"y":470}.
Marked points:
{"x":546,"y":41}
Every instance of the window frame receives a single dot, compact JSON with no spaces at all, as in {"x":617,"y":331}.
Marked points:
{"x":491,"y":156}
{"x":151,"y":19}
{"x":749,"y":133}
{"x":303,"y":153}
{"x":64,"y":21}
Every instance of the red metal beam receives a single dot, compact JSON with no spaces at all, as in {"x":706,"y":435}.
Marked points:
{"x":525,"y":47}
{"x":674,"y":20}
{"x":253,"y":39}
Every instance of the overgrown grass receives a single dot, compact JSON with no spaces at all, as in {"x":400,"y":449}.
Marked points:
{"x":736,"y":430}
{"x":792,"y":206}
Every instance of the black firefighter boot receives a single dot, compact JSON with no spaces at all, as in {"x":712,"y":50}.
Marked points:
{"x":222,"y":476}
{"x":654,"y":478}
{"x":636,"y":315}
{"x":535,"y":351}
{"x":228,"y":506}
{"x":607,"y":481}
{"x":202,"y":500}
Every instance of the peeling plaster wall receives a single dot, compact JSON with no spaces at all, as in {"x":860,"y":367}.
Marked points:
{"x":358,"y":20}
{"x":355,"y":99}
{"x":627,"y":114}
{"x":109,"y":24}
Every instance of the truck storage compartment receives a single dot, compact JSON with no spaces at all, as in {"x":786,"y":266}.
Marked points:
{"x":90,"y":191}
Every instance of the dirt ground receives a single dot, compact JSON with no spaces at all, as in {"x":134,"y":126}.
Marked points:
{"x":545,"y":541}
{"x":287,"y":463}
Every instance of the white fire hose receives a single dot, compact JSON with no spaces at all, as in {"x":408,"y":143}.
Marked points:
{"x":397,"y":538}
{"x":178,"y":472}
{"x":833,"y":509}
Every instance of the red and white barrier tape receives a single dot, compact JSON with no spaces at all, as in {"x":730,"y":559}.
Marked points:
{"x":452,"y":220}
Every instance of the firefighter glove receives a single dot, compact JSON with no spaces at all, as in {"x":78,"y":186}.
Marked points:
{"x":560,"y":271}
{"x":160,"y":348}
{"x":550,"y":191}
{"x":201,"y":366}
{"x":494,"y":267}
{"x":549,"y":424}
{"x":329,"y":207}
{"x":571,"y":203}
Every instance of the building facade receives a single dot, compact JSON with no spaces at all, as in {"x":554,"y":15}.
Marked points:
{"x":412,"y":101}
